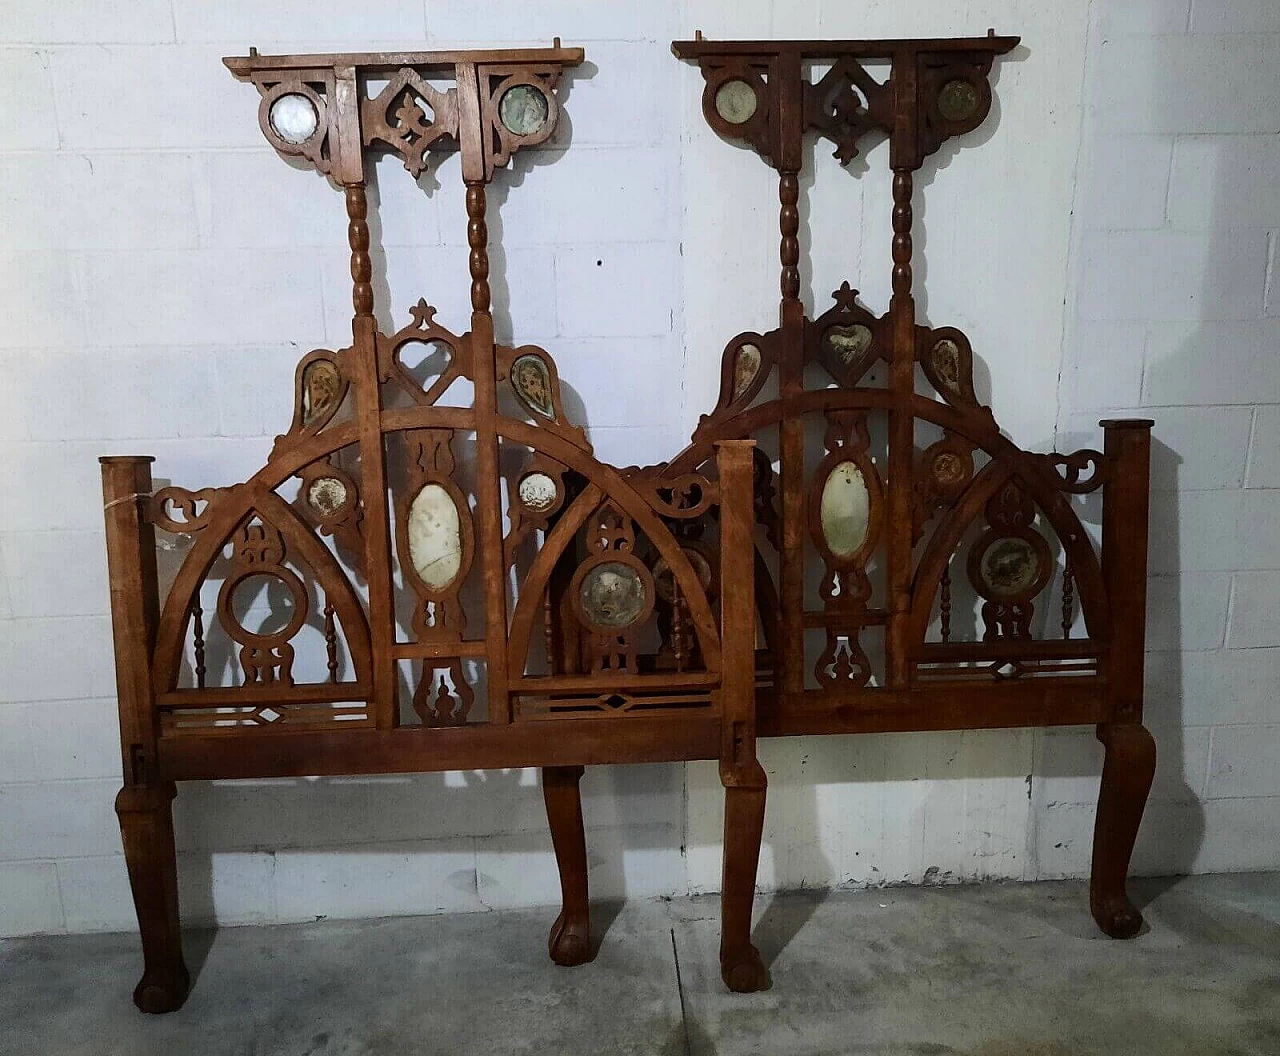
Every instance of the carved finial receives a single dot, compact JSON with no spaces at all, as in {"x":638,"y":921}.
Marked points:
{"x":845,"y":296}
{"x":253,"y":52}
{"x":555,"y":42}
{"x":697,"y":34}
{"x":423,"y":314}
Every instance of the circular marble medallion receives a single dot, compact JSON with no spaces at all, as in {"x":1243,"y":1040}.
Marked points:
{"x":523,"y":109}
{"x":736,"y":101}
{"x":613,"y":595}
{"x":294,"y":118}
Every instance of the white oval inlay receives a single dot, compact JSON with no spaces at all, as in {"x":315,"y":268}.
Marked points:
{"x":845,"y":509}
{"x":294,"y":118}
{"x":435,"y":537}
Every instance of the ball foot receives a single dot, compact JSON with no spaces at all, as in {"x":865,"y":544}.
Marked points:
{"x":1117,"y":916}
{"x":570,"y":941}
{"x":744,"y":972}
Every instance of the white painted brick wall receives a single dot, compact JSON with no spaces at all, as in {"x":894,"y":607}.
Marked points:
{"x":1107,"y":247}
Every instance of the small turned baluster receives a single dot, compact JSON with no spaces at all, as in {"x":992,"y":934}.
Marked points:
{"x":358,"y":240}
{"x":902,"y":190}
{"x":946,"y":604}
{"x":677,"y":624}
{"x":478,"y":240}
{"x":197,"y":632}
{"x":549,"y":633}
{"x":331,"y":640}
{"x":789,"y":225}
{"x":1068,"y":599}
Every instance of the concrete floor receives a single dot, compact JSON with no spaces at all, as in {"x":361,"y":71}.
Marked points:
{"x":997,"y":970}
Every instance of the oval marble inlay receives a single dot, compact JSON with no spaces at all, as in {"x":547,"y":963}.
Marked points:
{"x":845,"y":509}
{"x":612,"y":595}
{"x":958,"y":100}
{"x":848,"y":343}
{"x":327,"y":495}
{"x":537,"y":491}
{"x":736,"y":101}
{"x":746,"y":365}
{"x":1009,"y":566}
{"x":435,"y":536}
{"x":523,"y":110}
{"x":293,"y":118}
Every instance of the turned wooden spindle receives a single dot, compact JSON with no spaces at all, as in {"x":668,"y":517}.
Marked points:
{"x":358,"y":240}
{"x":903,"y":185}
{"x":789,"y":225}
{"x":478,"y":240}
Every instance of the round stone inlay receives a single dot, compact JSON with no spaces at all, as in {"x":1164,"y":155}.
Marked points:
{"x":736,"y":101}
{"x":294,"y":118}
{"x":612,"y":595}
{"x":537,"y":491}
{"x":523,"y":109}
{"x":327,"y":495}
{"x":1009,"y":567}
{"x":958,"y":100}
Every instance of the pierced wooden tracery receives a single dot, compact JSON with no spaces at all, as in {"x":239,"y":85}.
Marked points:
{"x":964,"y":473}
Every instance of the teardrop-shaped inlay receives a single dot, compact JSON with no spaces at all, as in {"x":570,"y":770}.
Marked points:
{"x":845,"y":509}
{"x":946,"y":361}
{"x":532,"y":382}
{"x":435,"y":537}
{"x":746,"y":365}
{"x":321,"y":386}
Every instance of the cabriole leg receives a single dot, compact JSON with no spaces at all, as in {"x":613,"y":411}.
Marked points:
{"x":741,"y":966}
{"x":146,"y":826}
{"x":570,"y":939}
{"x":1127,"y":771}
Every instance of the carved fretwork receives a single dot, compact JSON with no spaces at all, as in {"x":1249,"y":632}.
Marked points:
{"x":845,"y":105}
{"x":847,"y":339}
{"x":436,"y":702}
{"x":425,"y":330}
{"x":1009,"y":564}
{"x":612,"y":592}
{"x":411,"y":117}
{"x":258,"y":550}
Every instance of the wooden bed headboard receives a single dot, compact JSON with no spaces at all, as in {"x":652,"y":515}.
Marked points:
{"x":916,"y":569}
{"x":432,"y":570}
